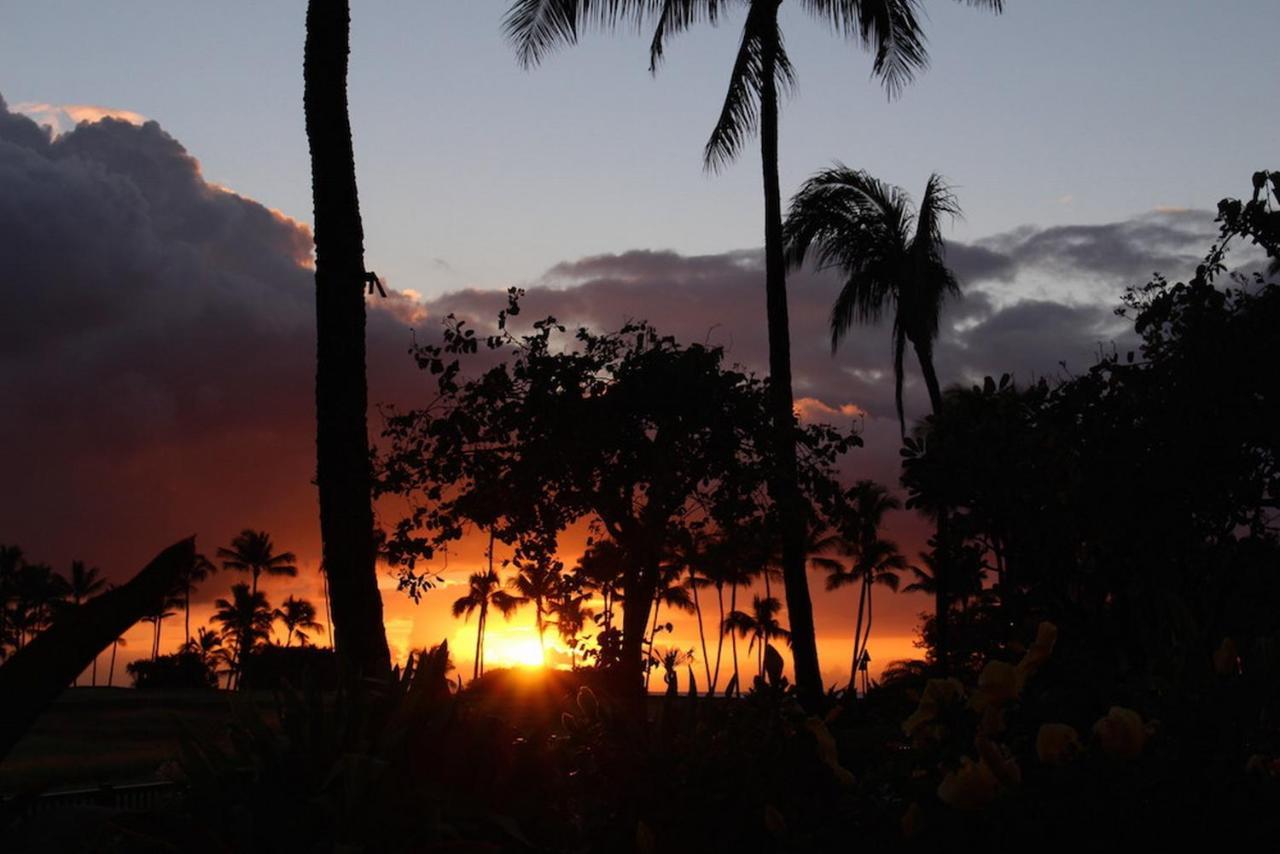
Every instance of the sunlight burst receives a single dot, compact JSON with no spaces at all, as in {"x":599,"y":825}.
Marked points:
{"x":512,"y":650}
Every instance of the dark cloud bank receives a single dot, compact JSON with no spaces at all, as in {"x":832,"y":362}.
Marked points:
{"x":156,"y":365}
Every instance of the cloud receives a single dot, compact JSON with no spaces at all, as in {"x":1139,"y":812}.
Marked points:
{"x":157,"y":362}
{"x":61,"y":118}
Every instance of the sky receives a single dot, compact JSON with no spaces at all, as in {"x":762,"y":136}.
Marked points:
{"x":156,"y":371}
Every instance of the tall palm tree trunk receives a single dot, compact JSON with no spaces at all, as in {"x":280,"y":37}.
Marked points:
{"x":924,"y":353}
{"x":715,"y":677}
{"x":111,"y":668}
{"x":342,"y":441}
{"x":542,"y":631}
{"x":702,"y":635}
{"x":857,"y":635}
{"x":783,"y":482}
{"x":93,"y":679}
{"x":186,"y":607}
{"x":733,"y":641}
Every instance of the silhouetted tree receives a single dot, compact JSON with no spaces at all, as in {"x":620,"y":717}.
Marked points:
{"x":245,"y":622}
{"x":483,"y":591}
{"x":761,"y":73}
{"x":873,"y":559}
{"x":201,"y":568}
{"x":537,"y":582}
{"x":760,"y":624}
{"x":299,"y":618}
{"x":628,"y":430}
{"x":889,"y":256}
{"x":156,"y":618}
{"x":82,"y":583}
{"x":343,"y":474}
{"x":111,"y":668}
{"x":253,"y":552}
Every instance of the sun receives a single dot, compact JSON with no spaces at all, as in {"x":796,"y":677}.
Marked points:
{"x":512,"y":650}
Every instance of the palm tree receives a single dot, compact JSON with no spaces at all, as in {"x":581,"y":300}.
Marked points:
{"x":245,"y":620}
{"x":888,"y":254}
{"x":199,"y":570}
{"x":601,"y":569}
{"x":672,"y":592}
{"x":82,"y":583}
{"x":761,"y":625}
{"x":887,"y":27}
{"x":37,"y":594}
{"x":571,"y":613}
{"x":343,"y":474}
{"x":253,"y":552}
{"x":111,"y":668}
{"x":694,"y":553}
{"x":299,"y":617}
{"x":538,"y":582}
{"x":484,"y":590}
{"x":156,"y":619}
{"x":875,"y":560}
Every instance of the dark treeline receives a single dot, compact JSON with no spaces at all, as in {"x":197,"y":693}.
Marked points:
{"x":33,"y":596}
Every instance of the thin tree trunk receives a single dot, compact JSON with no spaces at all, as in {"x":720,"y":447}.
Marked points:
{"x":111,"y":670}
{"x":542,"y":638}
{"x":702,"y":635}
{"x":924,"y":352}
{"x":653,"y":635}
{"x":715,"y":679}
{"x":783,"y":484}
{"x":733,"y":641}
{"x":475,"y":671}
{"x":93,"y":683}
{"x":857,"y":636}
{"x":328,"y":609}
{"x":343,"y":474}
{"x":187,"y":609}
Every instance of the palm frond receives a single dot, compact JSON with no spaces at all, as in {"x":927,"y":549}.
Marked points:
{"x":740,"y":115}
{"x":890,"y":29}
{"x":676,"y":16}
{"x":537,"y":27}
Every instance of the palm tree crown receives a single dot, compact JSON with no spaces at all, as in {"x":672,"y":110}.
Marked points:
{"x":484,"y":590}
{"x":252,"y":551}
{"x":299,"y":618}
{"x":889,"y":255}
{"x":84,"y":582}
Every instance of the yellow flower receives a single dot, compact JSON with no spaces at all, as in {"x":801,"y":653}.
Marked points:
{"x":1226,"y":658}
{"x":938,"y":693}
{"x":1038,"y":653}
{"x":997,"y":684}
{"x":827,"y":750}
{"x":1057,"y":743}
{"x":971,"y":786}
{"x":1121,"y":733}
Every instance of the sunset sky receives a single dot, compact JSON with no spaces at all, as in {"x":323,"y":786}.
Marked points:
{"x":157,"y":362}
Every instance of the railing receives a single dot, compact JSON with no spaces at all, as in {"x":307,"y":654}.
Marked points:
{"x":133,"y":796}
